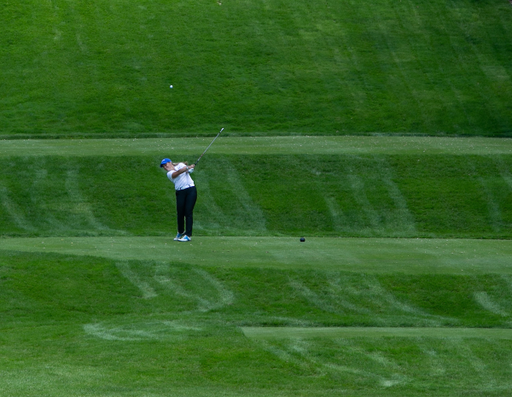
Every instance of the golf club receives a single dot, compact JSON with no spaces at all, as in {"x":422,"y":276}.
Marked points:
{"x":222,"y":129}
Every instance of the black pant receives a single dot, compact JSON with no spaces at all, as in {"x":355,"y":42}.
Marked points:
{"x":185,"y":202}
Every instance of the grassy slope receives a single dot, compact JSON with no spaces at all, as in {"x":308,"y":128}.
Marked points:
{"x":93,"y":327}
{"x":332,"y":67}
{"x":83,"y":326}
{"x":89,"y":326}
{"x":323,"y":195}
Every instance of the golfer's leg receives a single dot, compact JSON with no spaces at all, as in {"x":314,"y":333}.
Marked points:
{"x":189,"y":209}
{"x":180,"y":210}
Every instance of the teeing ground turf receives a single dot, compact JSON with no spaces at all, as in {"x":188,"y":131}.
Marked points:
{"x":370,"y":255}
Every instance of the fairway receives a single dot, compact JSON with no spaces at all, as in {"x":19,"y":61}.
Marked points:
{"x":374,"y":332}
{"x":270,"y":145}
{"x":408,"y":256}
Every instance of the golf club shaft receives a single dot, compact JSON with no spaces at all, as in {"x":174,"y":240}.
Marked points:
{"x":222,"y":129}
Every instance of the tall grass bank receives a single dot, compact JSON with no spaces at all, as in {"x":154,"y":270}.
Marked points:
{"x":330,"y":67}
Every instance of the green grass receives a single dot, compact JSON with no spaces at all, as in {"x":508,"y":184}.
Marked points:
{"x":343,"y":188}
{"x":372,"y":256}
{"x":374,"y":332}
{"x":191,"y":148}
{"x":403,"y":285}
{"x":286,"y":67}
{"x":78,"y":325}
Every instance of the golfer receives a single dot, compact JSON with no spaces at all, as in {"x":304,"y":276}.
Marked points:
{"x":186,"y":196}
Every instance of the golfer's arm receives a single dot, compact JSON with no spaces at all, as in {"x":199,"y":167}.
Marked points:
{"x":181,"y":171}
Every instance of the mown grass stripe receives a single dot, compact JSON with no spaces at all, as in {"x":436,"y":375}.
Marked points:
{"x":258,"y":145}
{"x":14,"y":211}
{"x":364,"y":255}
{"x":374,"y":332}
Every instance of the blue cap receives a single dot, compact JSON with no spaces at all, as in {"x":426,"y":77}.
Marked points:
{"x":165,"y":161}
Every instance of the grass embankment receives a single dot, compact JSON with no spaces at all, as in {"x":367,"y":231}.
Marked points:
{"x":157,"y":319}
{"x":95,"y":327}
{"x":315,"y":195}
{"x":336,"y":67}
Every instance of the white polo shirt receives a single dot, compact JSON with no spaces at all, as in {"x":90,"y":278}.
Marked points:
{"x":183,"y":181}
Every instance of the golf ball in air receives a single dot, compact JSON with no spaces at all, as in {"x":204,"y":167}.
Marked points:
{"x":170,"y":86}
